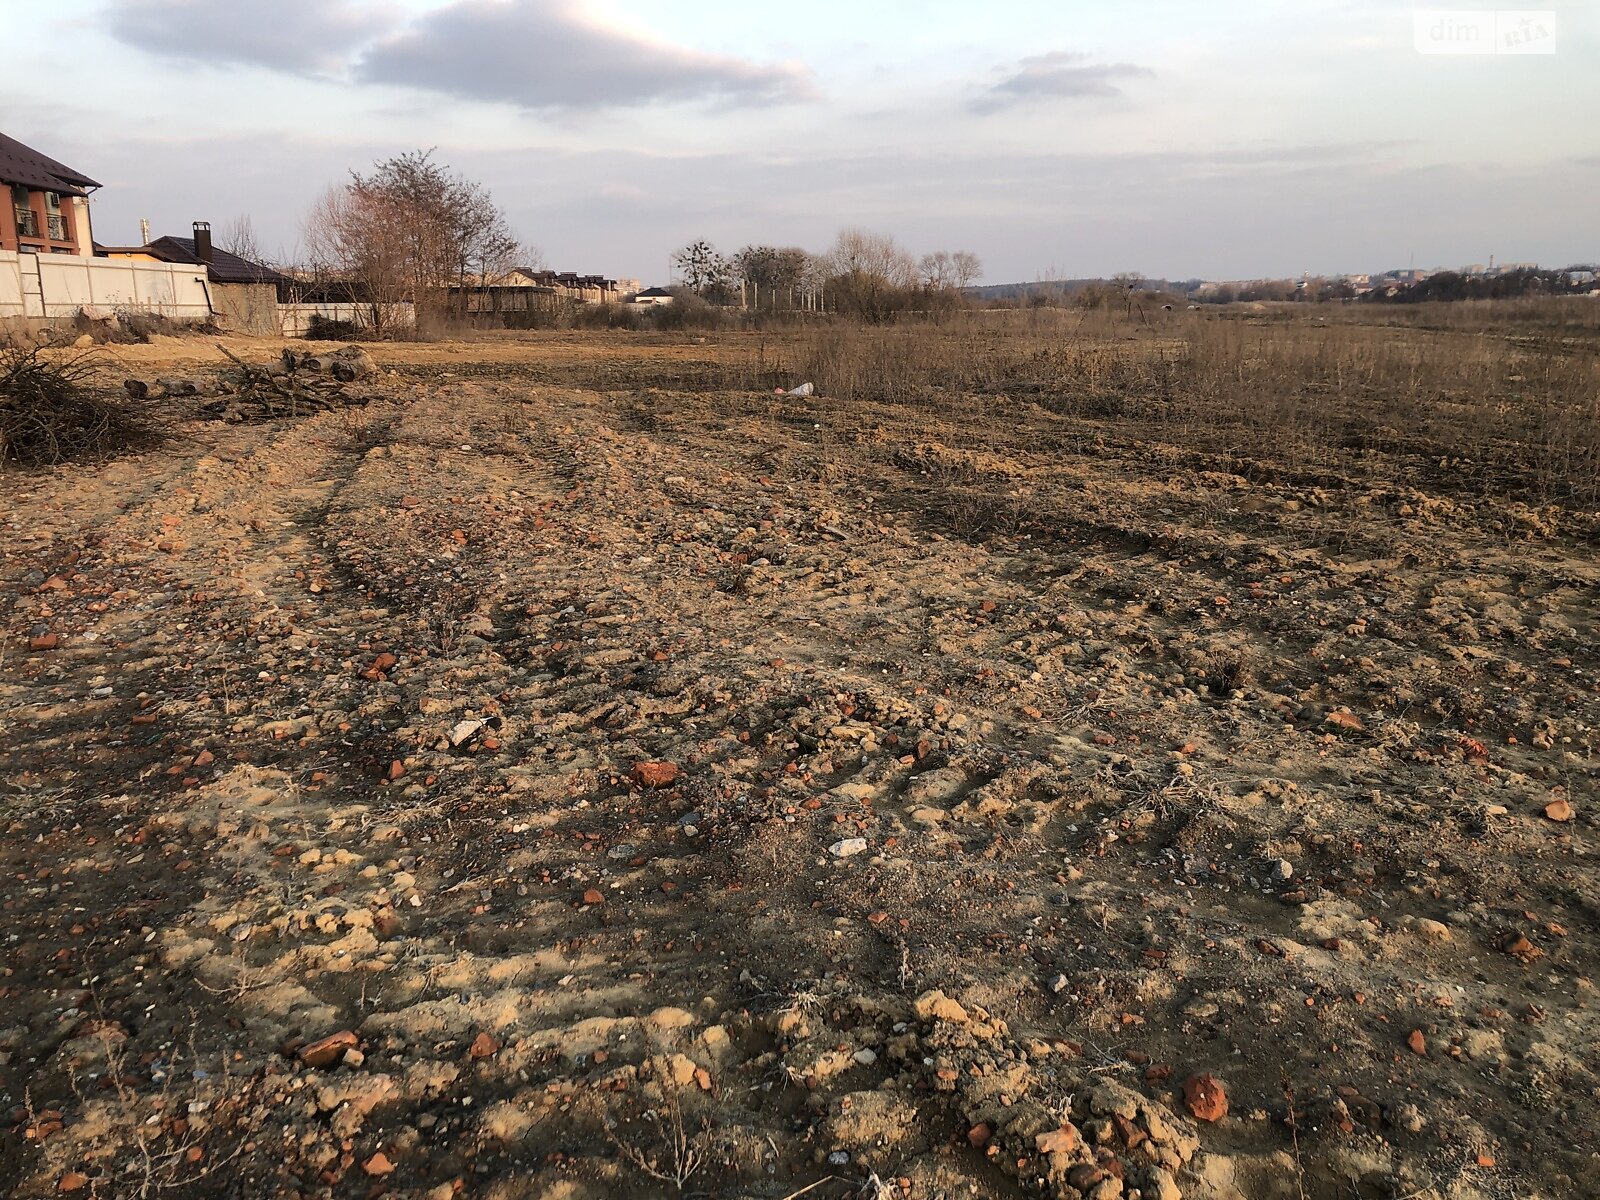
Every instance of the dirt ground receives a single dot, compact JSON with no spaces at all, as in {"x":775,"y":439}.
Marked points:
{"x":546,"y":781}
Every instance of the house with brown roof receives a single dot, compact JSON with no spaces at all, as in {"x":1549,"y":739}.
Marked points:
{"x":244,"y":294}
{"x":47,"y":203}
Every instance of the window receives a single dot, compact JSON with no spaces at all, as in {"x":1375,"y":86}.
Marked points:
{"x":52,"y":202}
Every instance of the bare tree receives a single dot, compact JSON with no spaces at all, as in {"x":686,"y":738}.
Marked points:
{"x":238,"y":237}
{"x":354,"y":248}
{"x":943,"y":270}
{"x":705,"y":272}
{"x":410,"y":230}
{"x":869,"y":274}
{"x":966,"y":268}
{"x":935,"y":269}
{"x":773,"y":276}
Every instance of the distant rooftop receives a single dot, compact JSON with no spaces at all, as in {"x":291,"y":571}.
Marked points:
{"x":223,"y":267}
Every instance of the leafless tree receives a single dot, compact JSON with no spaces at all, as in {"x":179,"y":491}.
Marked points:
{"x":773,"y":277}
{"x":943,"y":270}
{"x":869,"y":274}
{"x":409,"y":230}
{"x":705,"y":271}
{"x":238,"y":237}
{"x":966,"y":268}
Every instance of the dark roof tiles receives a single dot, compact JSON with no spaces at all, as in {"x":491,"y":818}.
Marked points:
{"x":25,"y":165}
{"x":224,"y":267}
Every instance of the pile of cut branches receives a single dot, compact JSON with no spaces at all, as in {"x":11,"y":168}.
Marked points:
{"x":299,"y":385}
{"x":50,"y":412}
{"x":294,"y":385}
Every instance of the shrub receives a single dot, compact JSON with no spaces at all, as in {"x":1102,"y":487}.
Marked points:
{"x":326,"y":329}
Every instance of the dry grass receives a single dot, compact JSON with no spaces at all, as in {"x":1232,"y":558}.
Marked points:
{"x":1503,"y":414}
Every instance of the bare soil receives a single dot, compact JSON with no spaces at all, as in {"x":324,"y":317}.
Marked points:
{"x":653,"y":790}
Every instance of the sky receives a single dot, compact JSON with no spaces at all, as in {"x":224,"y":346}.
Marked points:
{"x":1223,"y":139}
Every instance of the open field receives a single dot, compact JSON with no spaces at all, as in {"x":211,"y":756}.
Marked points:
{"x":942,"y":786}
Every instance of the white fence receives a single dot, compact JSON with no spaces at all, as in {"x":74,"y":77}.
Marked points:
{"x":57,"y":286}
{"x":296,"y":318}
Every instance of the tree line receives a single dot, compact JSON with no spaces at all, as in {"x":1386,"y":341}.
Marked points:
{"x":865,"y":275}
{"x":412,"y":230}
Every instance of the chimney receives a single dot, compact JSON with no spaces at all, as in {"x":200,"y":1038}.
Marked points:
{"x":202,"y":241}
{"x":144,"y":231}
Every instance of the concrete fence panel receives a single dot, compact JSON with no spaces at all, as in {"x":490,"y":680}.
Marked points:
{"x":69,"y":283}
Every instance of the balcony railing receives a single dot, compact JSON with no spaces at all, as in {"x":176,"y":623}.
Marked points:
{"x":58,"y":228}
{"x":27,"y":223}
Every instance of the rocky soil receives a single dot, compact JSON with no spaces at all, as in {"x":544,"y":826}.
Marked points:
{"x":512,"y":788}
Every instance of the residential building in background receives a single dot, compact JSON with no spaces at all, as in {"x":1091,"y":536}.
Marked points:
{"x":244,"y":294}
{"x":47,"y":203}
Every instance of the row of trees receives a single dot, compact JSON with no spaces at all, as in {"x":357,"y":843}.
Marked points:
{"x":867,"y":275}
{"x":411,"y":229}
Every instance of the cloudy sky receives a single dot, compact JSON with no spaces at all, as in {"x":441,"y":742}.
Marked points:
{"x":1225,"y":139}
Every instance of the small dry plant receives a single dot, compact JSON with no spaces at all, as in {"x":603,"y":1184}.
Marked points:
{"x":657,"y":1142}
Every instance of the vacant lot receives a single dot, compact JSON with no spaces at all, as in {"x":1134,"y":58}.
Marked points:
{"x":1067,"y":756}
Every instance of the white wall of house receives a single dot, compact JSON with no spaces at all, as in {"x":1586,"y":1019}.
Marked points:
{"x":81,"y":222}
{"x":58,"y":286}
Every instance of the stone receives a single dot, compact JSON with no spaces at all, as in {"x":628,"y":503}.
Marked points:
{"x":72,"y":1181}
{"x":378,"y":1165}
{"x":936,"y":1006}
{"x":1417,"y":1042}
{"x":483,"y":1046}
{"x":1282,"y":870}
{"x":461,"y":731}
{"x":45,"y":641}
{"x":1160,"y":1185}
{"x":1519,"y":946}
{"x":1558,"y":810}
{"x":1058,"y":1141}
{"x":380,"y":665}
{"x":1408,"y":1117}
{"x":594,"y":896}
{"x":846,"y":847}
{"x":1058,"y":984}
{"x":324,"y":1052}
{"x":1085,"y":1176}
{"x":1429,"y":930}
{"x":1344,"y":722}
{"x":655,"y":774}
{"x":978,"y":1136}
{"x":1206,"y":1098}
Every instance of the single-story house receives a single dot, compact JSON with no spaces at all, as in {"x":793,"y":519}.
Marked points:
{"x":244,"y":294}
{"x":651,"y":297}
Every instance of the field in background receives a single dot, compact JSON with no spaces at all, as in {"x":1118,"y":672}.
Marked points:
{"x":590,"y":770}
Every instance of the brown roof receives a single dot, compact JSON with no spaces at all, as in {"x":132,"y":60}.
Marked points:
{"x":21,"y":164}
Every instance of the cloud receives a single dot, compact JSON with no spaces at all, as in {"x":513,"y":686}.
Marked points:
{"x":1058,"y":75}
{"x":302,"y":37}
{"x":553,"y":54}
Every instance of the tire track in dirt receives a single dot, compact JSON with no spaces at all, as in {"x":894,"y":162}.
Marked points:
{"x":426,"y":821}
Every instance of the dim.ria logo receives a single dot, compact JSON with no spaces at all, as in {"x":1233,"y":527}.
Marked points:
{"x":1484,"y":31}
